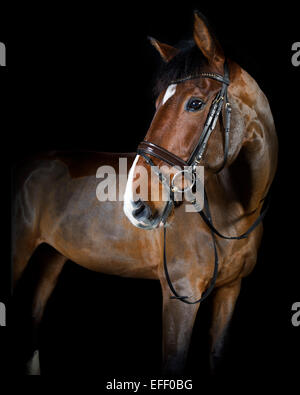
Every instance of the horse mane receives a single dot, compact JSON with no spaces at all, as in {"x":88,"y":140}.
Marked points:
{"x":188,"y":62}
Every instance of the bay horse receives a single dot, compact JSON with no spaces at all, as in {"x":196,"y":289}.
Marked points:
{"x":55,"y":200}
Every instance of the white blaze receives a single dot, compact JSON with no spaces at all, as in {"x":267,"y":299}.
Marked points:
{"x":128,"y":195}
{"x":169,"y":92}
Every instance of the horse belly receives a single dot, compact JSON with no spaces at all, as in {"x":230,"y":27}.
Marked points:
{"x":99,"y":237}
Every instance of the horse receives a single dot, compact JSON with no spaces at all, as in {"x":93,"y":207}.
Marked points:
{"x":55,"y":200}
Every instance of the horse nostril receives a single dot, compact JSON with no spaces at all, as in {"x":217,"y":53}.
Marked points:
{"x":142,"y":210}
{"x":137,"y":203}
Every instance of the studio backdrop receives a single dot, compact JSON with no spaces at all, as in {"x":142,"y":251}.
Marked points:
{"x":83,"y":80}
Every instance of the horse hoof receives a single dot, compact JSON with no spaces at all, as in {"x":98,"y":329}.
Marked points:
{"x":33,"y":365}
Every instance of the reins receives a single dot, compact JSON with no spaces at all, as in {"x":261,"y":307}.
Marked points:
{"x":208,"y":221}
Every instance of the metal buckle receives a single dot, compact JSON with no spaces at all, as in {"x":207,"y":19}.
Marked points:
{"x":228,"y":106}
{"x":176,"y":189}
{"x":218,"y":99}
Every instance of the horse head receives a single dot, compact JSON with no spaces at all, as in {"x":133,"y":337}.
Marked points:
{"x":191,"y":81}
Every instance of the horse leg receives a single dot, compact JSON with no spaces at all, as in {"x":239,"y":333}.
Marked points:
{"x":223,"y":306}
{"x":23,"y":248}
{"x":50,"y":269}
{"x":178,"y":322}
{"x":25,"y":237}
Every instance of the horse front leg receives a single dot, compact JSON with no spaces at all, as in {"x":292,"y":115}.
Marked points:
{"x":224,"y":302}
{"x":178,"y":322}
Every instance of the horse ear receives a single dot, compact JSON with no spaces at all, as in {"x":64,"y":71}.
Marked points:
{"x":166,"y":51}
{"x":206,"y":41}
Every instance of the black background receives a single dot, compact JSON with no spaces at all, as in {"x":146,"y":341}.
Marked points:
{"x":79,"y":77}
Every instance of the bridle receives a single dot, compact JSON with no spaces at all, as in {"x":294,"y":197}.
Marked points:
{"x":147,"y":149}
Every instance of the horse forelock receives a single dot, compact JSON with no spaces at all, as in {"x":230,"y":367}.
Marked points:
{"x":188,"y":62}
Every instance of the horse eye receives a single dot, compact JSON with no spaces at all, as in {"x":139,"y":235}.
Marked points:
{"x":194,"y":104}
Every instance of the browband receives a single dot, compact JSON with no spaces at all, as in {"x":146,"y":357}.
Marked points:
{"x":214,"y":76}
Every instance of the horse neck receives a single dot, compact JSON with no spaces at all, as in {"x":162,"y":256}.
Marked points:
{"x":250,"y":175}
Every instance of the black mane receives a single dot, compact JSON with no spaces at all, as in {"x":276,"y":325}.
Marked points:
{"x":188,"y":62}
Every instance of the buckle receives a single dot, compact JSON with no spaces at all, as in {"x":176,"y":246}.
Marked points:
{"x":174,"y":188}
{"x":218,"y":99}
{"x":228,"y":106}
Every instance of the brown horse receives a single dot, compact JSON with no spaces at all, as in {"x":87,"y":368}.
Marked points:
{"x":56,"y":200}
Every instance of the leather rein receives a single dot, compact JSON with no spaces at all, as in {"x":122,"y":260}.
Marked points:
{"x":147,"y":149}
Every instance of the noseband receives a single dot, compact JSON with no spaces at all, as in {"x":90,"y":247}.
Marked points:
{"x":147,"y":149}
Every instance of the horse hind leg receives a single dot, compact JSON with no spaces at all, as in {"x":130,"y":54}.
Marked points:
{"x":23,"y":248}
{"x":50,"y":269}
{"x":25,"y":234}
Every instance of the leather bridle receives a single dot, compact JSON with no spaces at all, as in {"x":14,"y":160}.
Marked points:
{"x":147,"y":149}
